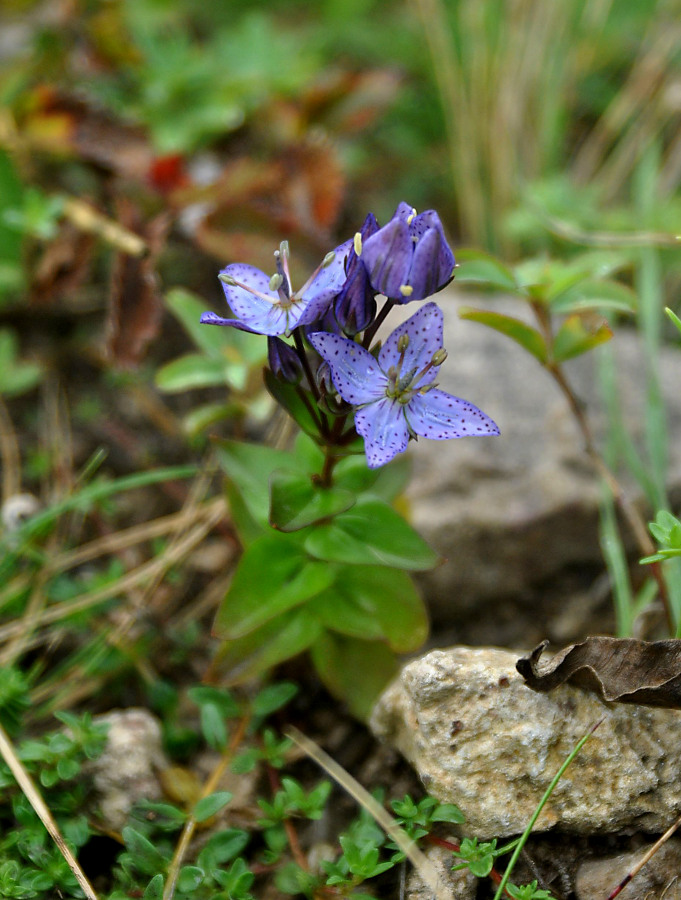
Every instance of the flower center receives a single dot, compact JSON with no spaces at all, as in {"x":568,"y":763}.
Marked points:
{"x":403,"y":385}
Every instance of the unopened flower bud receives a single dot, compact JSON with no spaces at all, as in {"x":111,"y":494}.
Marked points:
{"x":283,"y":361}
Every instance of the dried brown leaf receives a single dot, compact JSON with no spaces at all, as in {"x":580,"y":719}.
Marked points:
{"x":63,"y":122}
{"x":62,"y":267}
{"x":623,"y":670}
{"x":135,"y":302}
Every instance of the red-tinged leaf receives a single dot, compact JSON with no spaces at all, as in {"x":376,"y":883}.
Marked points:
{"x":135,"y":301}
{"x":519,"y":331}
{"x":61,"y":122}
{"x":623,"y":670}
{"x":579,"y":333}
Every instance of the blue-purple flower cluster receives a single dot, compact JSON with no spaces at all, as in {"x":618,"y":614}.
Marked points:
{"x":391,"y":388}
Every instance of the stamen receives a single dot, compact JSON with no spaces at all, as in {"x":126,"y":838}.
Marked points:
{"x":276,"y":281}
{"x":284,"y":286}
{"x":439,"y":357}
{"x":328,"y":259}
{"x":410,"y":218}
{"x":357,"y":243}
{"x":406,"y":290}
{"x":232,"y":282}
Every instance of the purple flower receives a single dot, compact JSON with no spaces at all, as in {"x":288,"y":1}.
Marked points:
{"x":265,"y":305}
{"x":409,"y":258}
{"x":395,"y":395}
{"x":355,"y":306}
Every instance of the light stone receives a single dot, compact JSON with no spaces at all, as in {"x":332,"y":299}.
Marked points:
{"x":478,"y":737}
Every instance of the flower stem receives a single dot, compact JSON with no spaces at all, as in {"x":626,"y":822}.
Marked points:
{"x":370,"y":333}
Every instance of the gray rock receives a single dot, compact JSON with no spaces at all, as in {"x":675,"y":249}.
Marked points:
{"x":127,"y":770}
{"x":659,"y":877}
{"x":516,"y":516}
{"x":478,"y":737}
{"x":459,"y":885}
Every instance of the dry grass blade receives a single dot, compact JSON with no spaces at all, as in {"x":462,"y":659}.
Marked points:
{"x":190,"y":824}
{"x":89,"y":219}
{"x":33,"y":796}
{"x":9,"y":454}
{"x":139,"y":576}
{"x":416,"y":856}
{"x":645,"y":859}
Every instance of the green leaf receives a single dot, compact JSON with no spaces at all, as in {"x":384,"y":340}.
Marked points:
{"x":213,"y":726}
{"x":16,"y":377}
{"x":249,"y":467}
{"x":223,"y":699}
{"x":222,"y":847}
{"x":288,"y":396}
{"x":192,"y":371}
{"x":296,"y":501}
{"x":369,"y":533}
{"x":578,"y":334}
{"x":148,"y":860}
{"x":477,"y":267}
{"x":203,"y":417}
{"x":272,"y":698}
{"x":277,"y":640}
{"x":673,"y":317}
{"x":209,"y":806}
{"x":187,"y":307}
{"x":154,"y":890}
{"x":274,"y":575}
{"x":355,"y":671}
{"x":522,"y":333}
{"x":375,"y":603}
{"x":606,"y":296}
{"x":387,"y":482}
{"x":189,"y":879}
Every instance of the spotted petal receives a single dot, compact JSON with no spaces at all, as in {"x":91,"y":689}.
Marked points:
{"x":439,"y":416}
{"x":424,"y":330}
{"x":384,"y":428}
{"x":211,"y":318}
{"x":354,"y":371}
{"x":324,"y":287}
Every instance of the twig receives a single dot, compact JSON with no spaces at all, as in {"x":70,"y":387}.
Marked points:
{"x":33,"y":796}
{"x":418,"y":859}
{"x":190,"y":824}
{"x":646,"y":858}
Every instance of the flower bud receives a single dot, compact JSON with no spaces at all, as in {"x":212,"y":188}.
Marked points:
{"x":355,"y":305}
{"x":283,"y":361}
